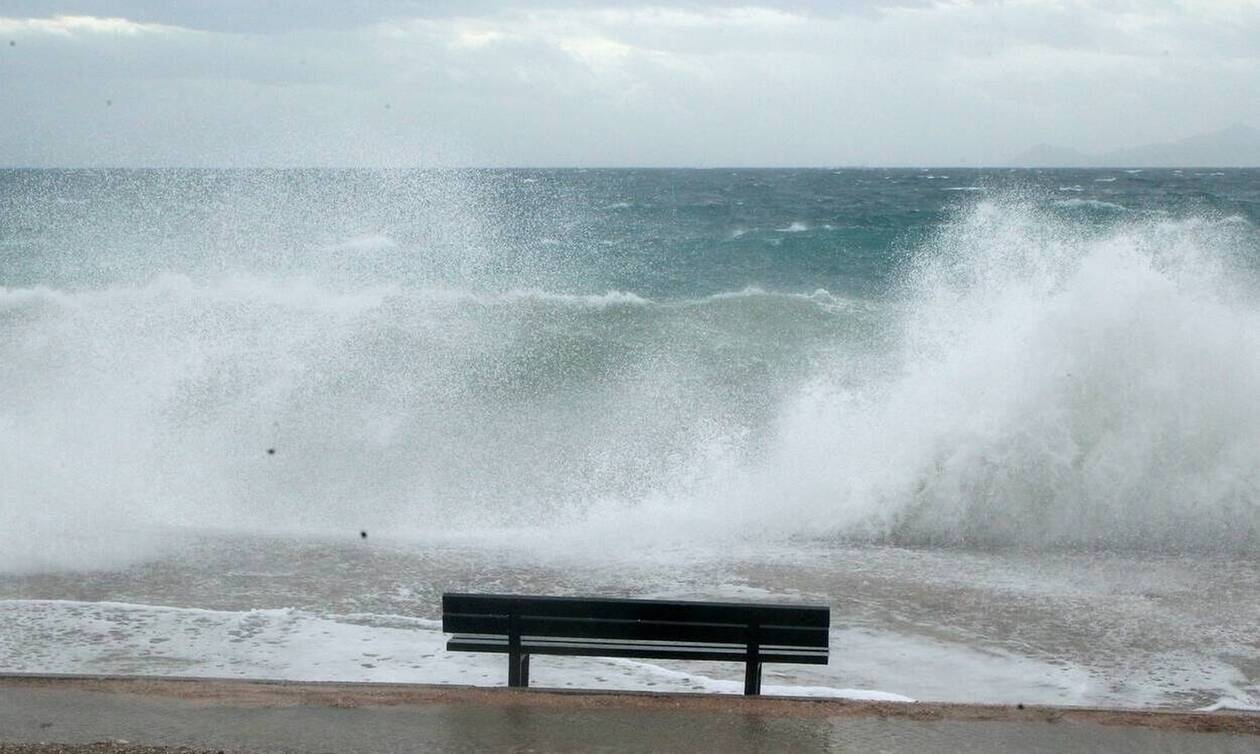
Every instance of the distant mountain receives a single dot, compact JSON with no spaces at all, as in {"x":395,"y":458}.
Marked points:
{"x":1235,"y":147}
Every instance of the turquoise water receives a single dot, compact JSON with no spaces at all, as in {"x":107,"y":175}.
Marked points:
{"x":657,"y":233}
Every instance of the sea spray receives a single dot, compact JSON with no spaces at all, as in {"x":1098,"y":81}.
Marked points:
{"x":130,"y":410}
{"x":1018,"y":373}
{"x":1054,"y":385}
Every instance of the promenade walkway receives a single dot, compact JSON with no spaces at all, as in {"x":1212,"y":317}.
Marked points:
{"x":212,"y":715}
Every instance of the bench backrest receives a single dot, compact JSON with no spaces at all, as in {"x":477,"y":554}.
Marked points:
{"x":641,"y":620}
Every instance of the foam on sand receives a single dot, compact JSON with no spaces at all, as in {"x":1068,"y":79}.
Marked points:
{"x":111,"y":638}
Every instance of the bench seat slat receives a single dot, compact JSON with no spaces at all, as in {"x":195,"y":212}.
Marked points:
{"x":499,"y":640}
{"x":635,"y":629}
{"x":725,"y":653}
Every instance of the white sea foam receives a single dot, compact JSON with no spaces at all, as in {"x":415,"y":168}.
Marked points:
{"x":795,"y":226}
{"x":752,"y":291}
{"x":598,"y":300}
{"x":1233,"y":704}
{"x":116,"y":638}
{"x":1091,"y":203}
{"x":1054,"y":387}
{"x":55,"y":636}
{"x":131,"y":409}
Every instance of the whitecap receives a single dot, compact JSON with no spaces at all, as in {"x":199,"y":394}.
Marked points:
{"x":597,"y":300}
{"x":1091,"y":203}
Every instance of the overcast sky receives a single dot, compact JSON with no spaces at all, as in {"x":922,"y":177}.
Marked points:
{"x":396,"y":83}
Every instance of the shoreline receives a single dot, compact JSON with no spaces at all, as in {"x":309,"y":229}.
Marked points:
{"x":265,"y":693}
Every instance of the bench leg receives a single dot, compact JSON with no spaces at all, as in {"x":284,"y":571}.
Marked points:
{"x":518,"y":670}
{"x":514,"y":670}
{"x":752,"y":678}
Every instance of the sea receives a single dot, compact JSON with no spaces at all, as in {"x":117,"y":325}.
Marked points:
{"x":1006,"y":423}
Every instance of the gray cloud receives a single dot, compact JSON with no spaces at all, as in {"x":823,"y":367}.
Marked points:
{"x":403,"y":83}
{"x":272,"y":16}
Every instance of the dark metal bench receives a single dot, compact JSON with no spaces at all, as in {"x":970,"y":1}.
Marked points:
{"x":520,"y":626}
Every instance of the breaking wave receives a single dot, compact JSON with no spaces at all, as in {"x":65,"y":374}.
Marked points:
{"x":1050,"y":385}
{"x":1032,"y":381}
{"x":292,"y":405}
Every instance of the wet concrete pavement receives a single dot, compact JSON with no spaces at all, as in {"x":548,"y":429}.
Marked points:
{"x":243,"y":716}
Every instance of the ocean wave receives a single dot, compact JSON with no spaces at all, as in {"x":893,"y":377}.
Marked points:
{"x":469,"y":409}
{"x":1090,"y":203}
{"x":611,"y":299}
{"x":1052,"y":392}
{"x":594,"y":300}
{"x":1053,"y":387}
{"x":310,"y":294}
{"x":292,"y":293}
{"x":1032,"y":380}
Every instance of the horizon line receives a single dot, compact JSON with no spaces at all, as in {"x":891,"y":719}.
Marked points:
{"x":630,"y":167}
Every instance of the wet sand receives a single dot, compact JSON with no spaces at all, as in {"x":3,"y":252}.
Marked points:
{"x":95,"y":714}
{"x":1079,"y":629}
